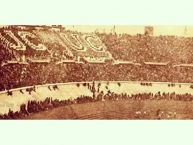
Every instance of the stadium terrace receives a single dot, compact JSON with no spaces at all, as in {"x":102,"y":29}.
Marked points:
{"x":32,"y":56}
{"x":44,"y":51}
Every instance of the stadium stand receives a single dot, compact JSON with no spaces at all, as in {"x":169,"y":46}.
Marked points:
{"x":140,"y":57}
{"x":143,"y":48}
{"x":41,"y":55}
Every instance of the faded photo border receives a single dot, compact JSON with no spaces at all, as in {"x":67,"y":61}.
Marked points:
{"x":96,"y":12}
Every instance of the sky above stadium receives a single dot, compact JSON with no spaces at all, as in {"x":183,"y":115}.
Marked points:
{"x":186,"y":31}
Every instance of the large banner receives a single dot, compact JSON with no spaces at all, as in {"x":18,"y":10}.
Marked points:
{"x":53,"y":44}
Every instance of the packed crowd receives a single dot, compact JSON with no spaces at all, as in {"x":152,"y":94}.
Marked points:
{"x":16,"y":75}
{"x":145,"y":96}
{"x":6,"y":55}
{"x":35,"y":106}
{"x":137,"y":48}
{"x":141,"y":48}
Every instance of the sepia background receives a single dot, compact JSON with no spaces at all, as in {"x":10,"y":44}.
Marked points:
{"x":186,"y":31}
{"x":115,"y":132}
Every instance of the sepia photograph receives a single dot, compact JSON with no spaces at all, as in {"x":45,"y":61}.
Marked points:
{"x":91,"y":72}
{"x":84,"y":72}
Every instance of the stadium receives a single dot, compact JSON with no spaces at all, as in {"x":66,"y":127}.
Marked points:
{"x":50,"y":72}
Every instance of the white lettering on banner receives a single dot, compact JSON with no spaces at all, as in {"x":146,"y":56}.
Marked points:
{"x":23,"y":35}
{"x":66,"y":52}
{"x":19,"y":46}
{"x":63,"y":46}
{"x":96,"y":39}
{"x":88,"y":58}
{"x":81,"y":47}
{"x":4,"y":42}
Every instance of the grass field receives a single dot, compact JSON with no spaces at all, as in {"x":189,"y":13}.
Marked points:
{"x":122,"y":109}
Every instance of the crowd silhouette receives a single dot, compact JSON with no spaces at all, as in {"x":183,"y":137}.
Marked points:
{"x":16,"y":75}
{"x":34,"y":106}
{"x":141,"y":48}
{"x":138,"y":49}
{"x":46,"y":67}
